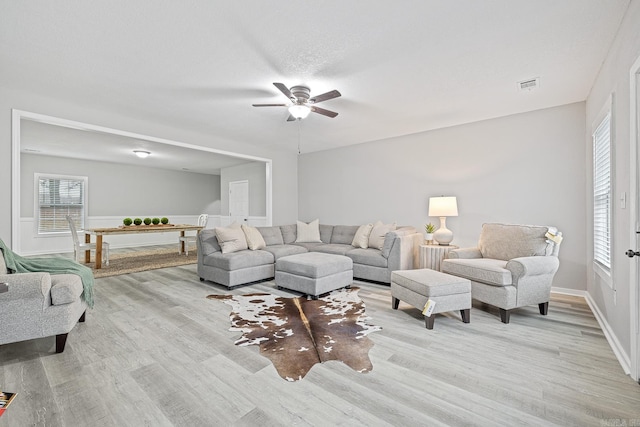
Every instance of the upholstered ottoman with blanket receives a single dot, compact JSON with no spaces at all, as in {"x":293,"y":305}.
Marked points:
{"x":416,"y":287}
{"x":314,"y":273}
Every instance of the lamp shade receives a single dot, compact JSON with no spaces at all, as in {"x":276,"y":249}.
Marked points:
{"x":299,"y":111}
{"x":443,"y":206}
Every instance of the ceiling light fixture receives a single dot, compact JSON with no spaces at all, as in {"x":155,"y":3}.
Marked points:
{"x":299,"y":111}
{"x":141,"y":153}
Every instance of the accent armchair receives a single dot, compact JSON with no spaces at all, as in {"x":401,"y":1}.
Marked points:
{"x":513,"y":266}
{"x":38,"y":305}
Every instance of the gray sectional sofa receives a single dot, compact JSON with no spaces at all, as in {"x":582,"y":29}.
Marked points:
{"x":399,"y":252}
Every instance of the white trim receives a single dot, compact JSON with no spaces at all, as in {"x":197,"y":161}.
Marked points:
{"x":618,"y":349}
{"x":569,"y":291}
{"x":634,"y":213}
{"x":18,"y":115}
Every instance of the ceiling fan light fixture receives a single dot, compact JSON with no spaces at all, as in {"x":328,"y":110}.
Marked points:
{"x":142,"y":154}
{"x":299,"y":111}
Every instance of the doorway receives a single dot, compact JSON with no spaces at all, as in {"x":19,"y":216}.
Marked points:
{"x":634,"y":239}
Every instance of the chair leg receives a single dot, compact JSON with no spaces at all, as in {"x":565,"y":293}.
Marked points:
{"x":429,"y":320}
{"x":504,"y":315}
{"x":466,"y":315}
{"x":82,"y":318}
{"x":544,"y":308}
{"x":61,"y":340}
{"x":395,"y":302}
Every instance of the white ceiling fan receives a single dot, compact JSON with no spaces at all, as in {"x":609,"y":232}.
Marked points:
{"x":302,"y":103}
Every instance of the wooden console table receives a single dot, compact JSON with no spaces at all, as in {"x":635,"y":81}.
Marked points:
{"x":131,"y":229}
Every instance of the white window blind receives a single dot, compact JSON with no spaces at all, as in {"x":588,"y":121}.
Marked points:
{"x":602,"y":193}
{"x":57,"y":198}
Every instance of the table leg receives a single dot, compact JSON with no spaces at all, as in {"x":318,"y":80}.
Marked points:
{"x":182,"y":242}
{"x":87,"y":253}
{"x":98,"y":251}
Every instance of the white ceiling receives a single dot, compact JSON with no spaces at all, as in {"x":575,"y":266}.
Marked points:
{"x":402,"y":66}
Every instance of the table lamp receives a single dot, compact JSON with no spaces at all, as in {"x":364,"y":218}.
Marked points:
{"x":443,"y":207}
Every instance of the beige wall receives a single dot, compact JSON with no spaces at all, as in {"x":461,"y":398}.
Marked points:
{"x":527,"y":168}
{"x":614,"y":78}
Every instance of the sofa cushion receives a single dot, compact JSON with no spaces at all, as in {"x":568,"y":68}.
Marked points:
{"x":209,"y":241}
{"x":289,"y":233}
{"x":344,"y":234}
{"x":231,"y":238}
{"x":271,"y":235}
{"x":253,"y":236}
{"x":65,"y":288}
{"x":279,"y":251}
{"x":378,"y":233}
{"x":331,"y":248}
{"x":508,"y":241}
{"x":484,"y":270}
{"x":308,"y":233}
{"x":314,"y":265}
{"x":372,"y":257}
{"x":361,"y":239}
{"x":325,"y":233}
{"x":239,"y":260}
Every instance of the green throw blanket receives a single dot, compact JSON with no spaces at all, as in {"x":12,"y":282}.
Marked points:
{"x":19,"y":264}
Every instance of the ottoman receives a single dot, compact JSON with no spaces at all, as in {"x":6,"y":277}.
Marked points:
{"x":314,"y":273}
{"x":415,"y":287}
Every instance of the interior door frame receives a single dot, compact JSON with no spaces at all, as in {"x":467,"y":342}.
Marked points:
{"x":634,"y":240}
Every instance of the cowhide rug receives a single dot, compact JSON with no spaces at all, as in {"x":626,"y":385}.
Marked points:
{"x":296,"y":333}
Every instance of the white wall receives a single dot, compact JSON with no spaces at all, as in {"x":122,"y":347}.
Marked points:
{"x":527,"y":168}
{"x":614,"y":78}
{"x":285,"y":203}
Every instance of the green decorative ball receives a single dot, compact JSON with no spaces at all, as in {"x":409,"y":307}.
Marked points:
{"x":165,"y":220}
{"x":147,"y":221}
{"x":127,"y":221}
{"x":137,"y":221}
{"x":155,"y":221}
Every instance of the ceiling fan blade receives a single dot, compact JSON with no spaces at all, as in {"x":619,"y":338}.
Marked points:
{"x":269,"y":105}
{"x":291,"y":118}
{"x":285,"y":90}
{"x":325,"y":96}
{"x":324,"y":112}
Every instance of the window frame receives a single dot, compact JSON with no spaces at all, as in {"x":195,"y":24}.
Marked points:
{"x":38,"y":176}
{"x":603,"y":271}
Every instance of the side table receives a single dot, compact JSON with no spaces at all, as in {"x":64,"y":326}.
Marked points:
{"x":431,"y":256}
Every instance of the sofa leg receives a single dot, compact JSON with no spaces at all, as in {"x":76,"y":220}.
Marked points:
{"x":504,"y":315}
{"x":428,"y":321}
{"x":466,"y":315}
{"x":395,"y":302}
{"x":82,"y":318}
{"x":61,"y":340}
{"x":544,"y":308}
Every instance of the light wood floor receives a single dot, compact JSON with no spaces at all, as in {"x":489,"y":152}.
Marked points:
{"x":156,"y":352}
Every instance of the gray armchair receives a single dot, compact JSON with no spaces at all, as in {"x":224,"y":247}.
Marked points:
{"x":37,"y":305}
{"x":513,"y":266}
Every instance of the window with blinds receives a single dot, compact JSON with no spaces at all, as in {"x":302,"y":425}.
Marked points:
{"x":602,"y":194}
{"x":58,"y":197}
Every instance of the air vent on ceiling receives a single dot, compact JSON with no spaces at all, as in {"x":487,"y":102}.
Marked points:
{"x":529,"y":84}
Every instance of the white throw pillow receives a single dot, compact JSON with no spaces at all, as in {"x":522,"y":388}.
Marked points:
{"x":231,"y":238}
{"x":379,"y":231}
{"x":308,"y":233}
{"x":361,"y":239}
{"x":254,"y":238}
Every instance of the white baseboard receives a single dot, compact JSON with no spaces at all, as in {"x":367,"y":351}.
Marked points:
{"x":621,"y":355}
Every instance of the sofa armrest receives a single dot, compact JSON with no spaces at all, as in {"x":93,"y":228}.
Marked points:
{"x":403,"y":254}
{"x":25,"y":286}
{"x":464,"y":253}
{"x":533,"y":266}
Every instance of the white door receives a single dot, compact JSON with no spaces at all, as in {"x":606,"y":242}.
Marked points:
{"x":635,"y":222}
{"x":239,"y":201}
